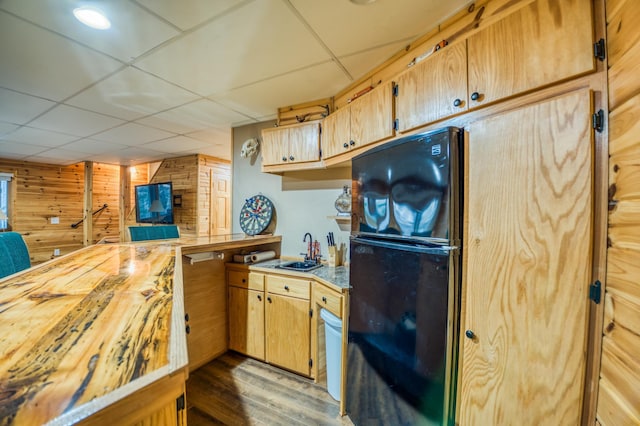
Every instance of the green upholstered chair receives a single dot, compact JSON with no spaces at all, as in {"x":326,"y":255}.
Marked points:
{"x":156,"y":232}
{"x":14,"y":255}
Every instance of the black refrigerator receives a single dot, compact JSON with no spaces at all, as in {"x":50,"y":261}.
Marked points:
{"x":405,"y":281}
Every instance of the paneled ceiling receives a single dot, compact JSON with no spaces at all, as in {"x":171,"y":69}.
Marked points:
{"x":172,"y":77}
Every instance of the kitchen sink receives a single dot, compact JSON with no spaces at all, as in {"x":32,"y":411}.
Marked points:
{"x":305,"y":266}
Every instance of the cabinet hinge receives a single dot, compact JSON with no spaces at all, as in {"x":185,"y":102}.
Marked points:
{"x":595,"y":290}
{"x":598,"y":121}
{"x":394,"y":91}
{"x":180,"y":405}
{"x":310,"y":363}
{"x":396,"y":124}
{"x":311,"y":313}
{"x":599,"y":49}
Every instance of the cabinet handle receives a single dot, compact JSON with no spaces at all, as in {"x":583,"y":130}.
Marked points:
{"x":324,"y":299}
{"x":286,"y":287}
{"x":186,"y":317}
{"x":352,"y":142}
{"x":187,"y":329}
{"x":345,"y":145}
{"x":269,"y":299}
{"x":457,"y":103}
{"x":259,"y":297}
{"x":475,"y":96}
{"x":284,"y":158}
{"x":470,"y":334}
{"x":291,"y":157}
{"x":244,"y":280}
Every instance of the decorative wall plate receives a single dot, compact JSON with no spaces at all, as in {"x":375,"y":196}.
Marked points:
{"x":256,"y":214}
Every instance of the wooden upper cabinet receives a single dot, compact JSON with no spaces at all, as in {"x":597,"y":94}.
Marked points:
{"x":542,"y":43}
{"x":297,"y":143}
{"x":433,"y":89}
{"x":366,"y":120}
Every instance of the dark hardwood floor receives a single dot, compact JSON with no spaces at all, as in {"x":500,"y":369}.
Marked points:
{"x":235,"y":390}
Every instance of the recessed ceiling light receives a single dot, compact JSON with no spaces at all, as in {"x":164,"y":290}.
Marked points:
{"x":92,"y":17}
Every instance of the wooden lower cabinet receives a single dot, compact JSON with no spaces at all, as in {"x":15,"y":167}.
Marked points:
{"x":288,"y":323}
{"x":205,"y":310}
{"x":246,"y":319}
{"x":527,"y":264}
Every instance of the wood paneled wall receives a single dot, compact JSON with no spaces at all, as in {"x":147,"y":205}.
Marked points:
{"x":619,"y":387}
{"x":204,"y":183}
{"x":42,"y":191}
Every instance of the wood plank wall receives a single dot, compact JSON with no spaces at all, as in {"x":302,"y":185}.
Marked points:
{"x":619,"y":386}
{"x":193,"y":177}
{"x":182,"y":172}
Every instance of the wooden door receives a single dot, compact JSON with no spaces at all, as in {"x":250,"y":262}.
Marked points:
{"x":220,"y":206}
{"x":336,"y":133}
{"x":288,"y":333}
{"x":433,"y":89}
{"x":274,"y":146}
{"x":246,"y":321}
{"x":304,"y":142}
{"x":372,"y":116}
{"x":547,"y":41}
{"x":527,"y":264}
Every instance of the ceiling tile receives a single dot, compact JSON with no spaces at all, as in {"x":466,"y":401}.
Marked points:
{"x":67,"y":119}
{"x":348,"y":28}
{"x":69,"y":157}
{"x":264,"y":98}
{"x":361,"y":63}
{"x":44,"y":64}
{"x":7,"y":129}
{"x":131,"y":94}
{"x":177,"y":144}
{"x":194,"y":116}
{"x":133,"y":30}
{"x":20,"y":109}
{"x":40,"y":137}
{"x":257,"y":41}
{"x":213,"y":135}
{"x":186,"y":14}
{"x":135,"y":156}
{"x":17,"y":148}
{"x":132,"y":134}
{"x":91,"y":146}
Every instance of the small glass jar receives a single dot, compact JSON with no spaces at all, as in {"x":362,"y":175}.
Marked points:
{"x":343,"y":202}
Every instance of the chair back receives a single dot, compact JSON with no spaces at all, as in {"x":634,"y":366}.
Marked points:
{"x":155,"y":232}
{"x":14,"y":254}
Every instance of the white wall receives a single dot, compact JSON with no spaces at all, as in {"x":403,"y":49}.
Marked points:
{"x":302,"y":200}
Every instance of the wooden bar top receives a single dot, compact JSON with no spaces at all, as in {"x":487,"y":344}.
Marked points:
{"x":85,"y":330}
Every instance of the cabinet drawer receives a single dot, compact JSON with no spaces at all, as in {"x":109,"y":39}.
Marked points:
{"x":242,"y":279}
{"x":328,"y":299}
{"x":289,"y":286}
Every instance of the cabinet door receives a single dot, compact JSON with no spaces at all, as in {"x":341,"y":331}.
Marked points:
{"x":336,"y":133}
{"x":372,"y":116}
{"x":433,"y":89}
{"x":274,"y":146}
{"x":246,"y":319}
{"x":304,"y":143}
{"x":288,"y":333}
{"x":205,"y":304}
{"x":528,"y":215}
{"x":546,"y":42}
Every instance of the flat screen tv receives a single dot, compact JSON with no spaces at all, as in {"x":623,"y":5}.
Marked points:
{"x":154,"y":203}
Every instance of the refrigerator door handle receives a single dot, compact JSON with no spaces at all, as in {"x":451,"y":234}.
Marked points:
{"x":411,"y":247}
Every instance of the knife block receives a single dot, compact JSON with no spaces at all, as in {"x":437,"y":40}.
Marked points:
{"x":336,"y":255}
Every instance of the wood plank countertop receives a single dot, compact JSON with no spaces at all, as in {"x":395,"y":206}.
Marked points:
{"x":83,"y":331}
